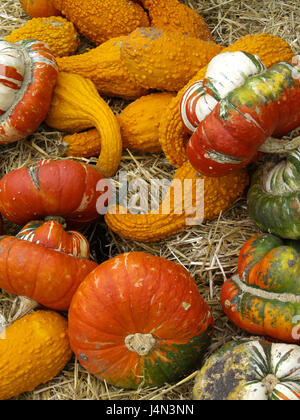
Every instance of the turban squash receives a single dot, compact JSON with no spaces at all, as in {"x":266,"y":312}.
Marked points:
{"x":263,"y":297}
{"x":230,"y":136}
{"x":139,"y":320}
{"x":52,"y":234}
{"x":63,"y":188}
{"x":274,"y":197}
{"x":28,"y":73}
{"x":46,"y":269}
{"x":250,"y":370}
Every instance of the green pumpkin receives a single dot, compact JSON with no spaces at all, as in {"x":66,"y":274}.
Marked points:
{"x":274,"y":197}
{"x":250,"y":370}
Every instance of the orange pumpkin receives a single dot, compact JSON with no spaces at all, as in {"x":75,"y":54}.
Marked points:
{"x":39,"y":8}
{"x":139,"y":320}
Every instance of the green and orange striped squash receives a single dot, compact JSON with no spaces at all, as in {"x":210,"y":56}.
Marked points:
{"x":263,"y":298}
{"x":139,"y":320}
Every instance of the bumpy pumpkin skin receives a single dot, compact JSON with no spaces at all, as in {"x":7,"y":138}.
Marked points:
{"x":33,"y":351}
{"x":139,"y":125}
{"x":51,"y":188}
{"x":42,"y":274}
{"x":250,"y":370}
{"x":173,"y":136}
{"x":102,"y":20}
{"x":173,"y":16}
{"x":263,"y":297}
{"x":219,"y":195}
{"x":59,"y":34}
{"x":138,"y":320}
{"x":104,"y":67}
{"x":28,"y":77}
{"x":274,"y":197}
{"x":165,"y":60}
{"x":230,"y":136}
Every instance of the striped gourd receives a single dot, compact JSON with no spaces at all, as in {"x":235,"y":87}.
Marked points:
{"x":225,"y":72}
{"x":28,"y":73}
{"x":52,"y":234}
{"x":250,"y":370}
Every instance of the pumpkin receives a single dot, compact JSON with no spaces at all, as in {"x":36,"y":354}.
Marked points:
{"x":173,"y":16}
{"x":274,"y":197}
{"x":176,"y":212}
{"x":34,"y":350}
{"x":52,"y":234}
{"x":250,"y":370}
{"x":173,"y":135}
{"x":139,"y":124}
{"x":263,"y":297}
{"x":75,"y":109}
{"x":101,"y":20}
{"x":164,"y":60}
{"x":39,"y":8}
{"x":59,"y":34}
{"x":27,"y":78}
{"x":51,"y":188}
{"x":48,"y":276}
{"x":231,"y":135}
{"x":139,"y":320}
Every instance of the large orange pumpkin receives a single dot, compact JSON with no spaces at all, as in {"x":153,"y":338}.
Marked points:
{"x":39,"y":8}
{"x":139,"y":320}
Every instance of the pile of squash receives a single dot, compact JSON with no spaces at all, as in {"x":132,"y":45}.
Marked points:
{"x":137,"y":319}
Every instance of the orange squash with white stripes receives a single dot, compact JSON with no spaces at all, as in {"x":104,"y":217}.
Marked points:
{"x":28,"y":74}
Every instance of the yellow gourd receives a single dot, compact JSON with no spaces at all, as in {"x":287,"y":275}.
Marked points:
{"x":103,"y":66}
{"x":173,"y":136}
{"x":219,"y":195}
{"x":76,"y":106}
{"x":59,"y":34}
{"x":163,"y":60}
{"x":148,"y":58}
{"x":33,"y":350}
{"x":174,"y":16}
{"x":139,"y":124}
{"x":100,"y":20}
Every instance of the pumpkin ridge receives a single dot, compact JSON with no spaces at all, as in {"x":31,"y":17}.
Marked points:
{"x":258,"y":292}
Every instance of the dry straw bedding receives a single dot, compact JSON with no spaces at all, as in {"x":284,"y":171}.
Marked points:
{"x":209,"y":252}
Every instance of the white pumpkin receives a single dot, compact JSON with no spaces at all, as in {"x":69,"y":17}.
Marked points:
{"x":251,"y":370}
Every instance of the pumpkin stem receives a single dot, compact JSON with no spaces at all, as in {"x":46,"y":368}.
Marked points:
{"x":142,"y":344}
{"x":57,"y":219}
{"x":270,"y":381}
{"x":272,"y":145}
